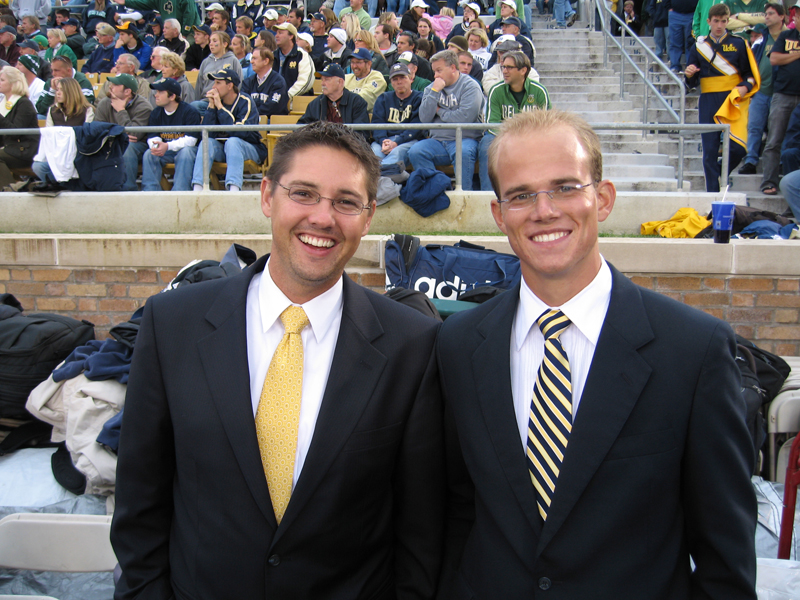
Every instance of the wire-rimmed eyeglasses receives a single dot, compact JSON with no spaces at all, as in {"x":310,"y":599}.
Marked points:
{"x":307,"y":197}
{"x":561,"y":193}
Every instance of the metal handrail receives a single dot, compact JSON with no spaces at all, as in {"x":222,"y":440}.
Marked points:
{"x":459,"y":127}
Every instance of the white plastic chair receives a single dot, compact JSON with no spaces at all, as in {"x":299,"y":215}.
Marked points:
{"x":55,"y":542}
{"x":783,"y":417}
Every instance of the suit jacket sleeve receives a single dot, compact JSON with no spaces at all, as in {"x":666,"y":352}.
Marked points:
{"x":145,"y":471}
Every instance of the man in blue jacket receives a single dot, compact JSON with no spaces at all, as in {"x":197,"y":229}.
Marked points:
{"x":266,"y":86}
{"x":102,"y":59}
{"x":129,"y":42}
{"x":226,"y":106}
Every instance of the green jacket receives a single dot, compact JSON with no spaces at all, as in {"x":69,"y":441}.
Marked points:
{"x":502,"y":105}
{"x":63,"y":50}
{"x":183,"y":10}
{"x":45,"y":101}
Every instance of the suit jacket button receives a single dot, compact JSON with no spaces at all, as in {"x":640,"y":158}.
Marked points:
{"x":274,"y":560}
{"x":544,"y":583}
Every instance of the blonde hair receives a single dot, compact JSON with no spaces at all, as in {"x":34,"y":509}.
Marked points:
{"x":528,"y":124}
{"x":387,"y":17}
{"x":74,"y":100}
{"x":447,"y":12}
{"x":174,"y":61}
{"x":19,"y":86}
{"x":351,"y":25}
{"x":479,"y":33}
{"x":245,"y":42}
{"x":58,"y":33}
{"x":369,"y":40}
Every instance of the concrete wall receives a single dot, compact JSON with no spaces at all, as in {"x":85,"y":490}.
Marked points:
{"x":754,"y":285}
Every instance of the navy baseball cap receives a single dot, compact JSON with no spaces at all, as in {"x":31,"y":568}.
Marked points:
{"x":361,"y":54}
{"x":512,"y":21}
{"x":72,"y":21}
{"x":226,"y":75}
{"x":204,"y":28}
{"x":333,"y":70}
{"x":318,"y":16}
{"x":9,"y":29}
{"x":167,"y":85}
{"x":30,"y":44}
{"x":128,"y":27}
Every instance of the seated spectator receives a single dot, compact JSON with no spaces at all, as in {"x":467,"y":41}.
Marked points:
{"x":478,"y":46}
{"x":425,"y":31}
{"x":220,"y":58}
{"x":415,"y":12}
{"x":173,"y":67}
{"x":266,"y":86}
{"x":516,"y":94}
{"x":364,"y":39}
{"x":513,"y":26}
{"x":72,"y":29}
{"x":154,"y":72}
{"x":153,"y":31}
{"x":357,"y":8}
{"x":384,"y":37}
{"x":70,"y":109}
{"x":172,"y":39}
{"x":129,"y":65}
{"x":228,"y":107}
{"x":296,"y":17}
{"x":16,"y":112}
{"x":471,"y":12}
{"x":270,"y":19}
{"x":244,"y":26}
{"x":96,"y":12}
{"x":57,"y":41}
{"x":199,"y":50}
{"x":31,"y":27}
{"x":29,"y":66}
{"x":401,"y":105}
{"x":296,"y":66}
{"x":389,"y":18}
{"x":129,"y":43}
{"x":265,"y":39}
{"x":337,"y":53}
{"x":407,"y":42}
{"x":252,"y":9}
{"x":425,"y":49}
{"x":211,"y":10}
{"x":443,"y":22}
{"x":221,"y":21}
{"x":240,"y":46}
{"x":169,"y":147}
{"x":9,"y":50}
{"x":508,"y":8}
{"x":495,"y":73}
{"x":60,"y":16}
{"x":363,"y":80}
{"x":102,"y":58}
{"x":336,"y":104}
{"x":62,"y":67}
{"x":320,"y":34}
{"x":124,"y":107}
{"x":305,"y":41}
{"x":411,"y":61}
{"x":469,"y":66}
{"x":452,"y":98}
{"x":351,"y":26}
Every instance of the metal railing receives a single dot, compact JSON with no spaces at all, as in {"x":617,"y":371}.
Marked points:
{"x":459,"y":129}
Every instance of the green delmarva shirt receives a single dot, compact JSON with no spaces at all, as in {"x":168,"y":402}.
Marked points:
{"x":363,"y":17}
{"x":183,"y":10}
{"x":501,"y":104}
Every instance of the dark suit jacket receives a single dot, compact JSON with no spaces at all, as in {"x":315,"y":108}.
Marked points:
{"x":193,"y":517}
{"x":657,"y":466}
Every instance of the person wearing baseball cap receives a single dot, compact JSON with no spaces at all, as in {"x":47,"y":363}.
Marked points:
{"x":227,"y":106}
{"x":513,"y":26}
{"x":168,"y":146}
{"x":412,"y":16}
{"x":318,"y":28}
{"x":183,"y":10}
{"x":471,"y":12}
{"x":507,"y":8}
{"x":199,"y":50}
{"x":102,"y":58}
{"x":336,"y":104}
{"x":364,"y":81}
{"x":295,"y":64}
{"x":397,"y":106}
{"x":72,"y":29}
{"x":411,"y":61}
{"x":128,"y":41}
{"x":9,"y":50}
{"x":270,"y":19}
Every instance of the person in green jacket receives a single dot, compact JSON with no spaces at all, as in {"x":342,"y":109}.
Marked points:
{"x":183,"y":10}
{"x":743,"y":13}
{"x":57,"y":40}
{"x":516,"y":93}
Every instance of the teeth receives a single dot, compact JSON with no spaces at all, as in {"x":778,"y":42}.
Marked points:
{"x":549,"y":237}
{"x":318,"y":242}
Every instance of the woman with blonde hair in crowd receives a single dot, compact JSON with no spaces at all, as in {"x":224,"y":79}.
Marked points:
{"x":70,"y":109}
{"x":57,"y":40}
{"x":389,"y":18}
{"x":478,"y":46}
{"x":364,"y":39}
{"x":173,"y":67}
{"x":352,"y":25}
{"x":425,"y":30}
{"x":16,"y":112}
{"x":240,"y":46}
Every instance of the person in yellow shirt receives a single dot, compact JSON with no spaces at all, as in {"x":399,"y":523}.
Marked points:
{"x":363,"y":80}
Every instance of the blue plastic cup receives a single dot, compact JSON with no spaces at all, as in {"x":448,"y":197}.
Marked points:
{"x":722,"y":215}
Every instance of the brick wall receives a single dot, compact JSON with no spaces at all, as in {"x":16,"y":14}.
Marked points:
{"x":765,"y":310}
{"x":105,"y":297}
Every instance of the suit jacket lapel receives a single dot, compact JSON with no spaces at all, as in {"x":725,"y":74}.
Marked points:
{"x":224,"y":357}
{"x":496,"y":401}
{"x":616,"y":378}
{"x":356,"y":368}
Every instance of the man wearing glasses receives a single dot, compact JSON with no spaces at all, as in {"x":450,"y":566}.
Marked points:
{"x":596,"y":430}
{"x":283,"y":427}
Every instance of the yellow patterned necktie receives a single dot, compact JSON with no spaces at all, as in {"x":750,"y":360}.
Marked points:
{"x":278,"y":414}
{"x":550,"y":421}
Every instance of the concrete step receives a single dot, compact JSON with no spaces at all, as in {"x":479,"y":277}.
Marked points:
{"x":610,"y":91}
{"x":634,"y":159}
{"x":611,"y":116}
{"x":635,"y":184}
{"x":610,"y":105}
{"x":776,"y":204}
{"x":639,"y":172}
{"x":643,"y":147}
{"x":746,"y":183}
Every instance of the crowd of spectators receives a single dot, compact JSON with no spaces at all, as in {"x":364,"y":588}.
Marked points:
{"x":243,"y":64}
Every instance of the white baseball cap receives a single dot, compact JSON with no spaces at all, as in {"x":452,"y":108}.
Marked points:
{"x":419,"y":3}
{"x":214,"y":6}
{"x":512,"y":3}
{"x":307,"y":37}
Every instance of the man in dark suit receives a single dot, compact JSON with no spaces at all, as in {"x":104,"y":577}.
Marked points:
{"x":599,"y":471}
{"x":198,"y":512}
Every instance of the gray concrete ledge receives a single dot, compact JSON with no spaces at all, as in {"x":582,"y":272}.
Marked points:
{"x":632,"y":255}
{"x":240,"y":213}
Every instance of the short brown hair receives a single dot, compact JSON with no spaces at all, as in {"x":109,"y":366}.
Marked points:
{"x":719,"y":10}
{"x":529,"y":123}
{"x":246,"y":22}
{"x":266,"y":53}
{"x":329,"y":135}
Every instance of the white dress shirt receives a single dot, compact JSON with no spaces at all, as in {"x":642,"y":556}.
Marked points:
{"x":587,"y":311}
{"x":265,"y":303}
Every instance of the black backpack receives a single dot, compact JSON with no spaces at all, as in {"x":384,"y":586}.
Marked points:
{"x":31,"y":346}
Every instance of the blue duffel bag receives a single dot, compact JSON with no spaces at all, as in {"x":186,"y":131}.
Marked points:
{"x":446,"y":272}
